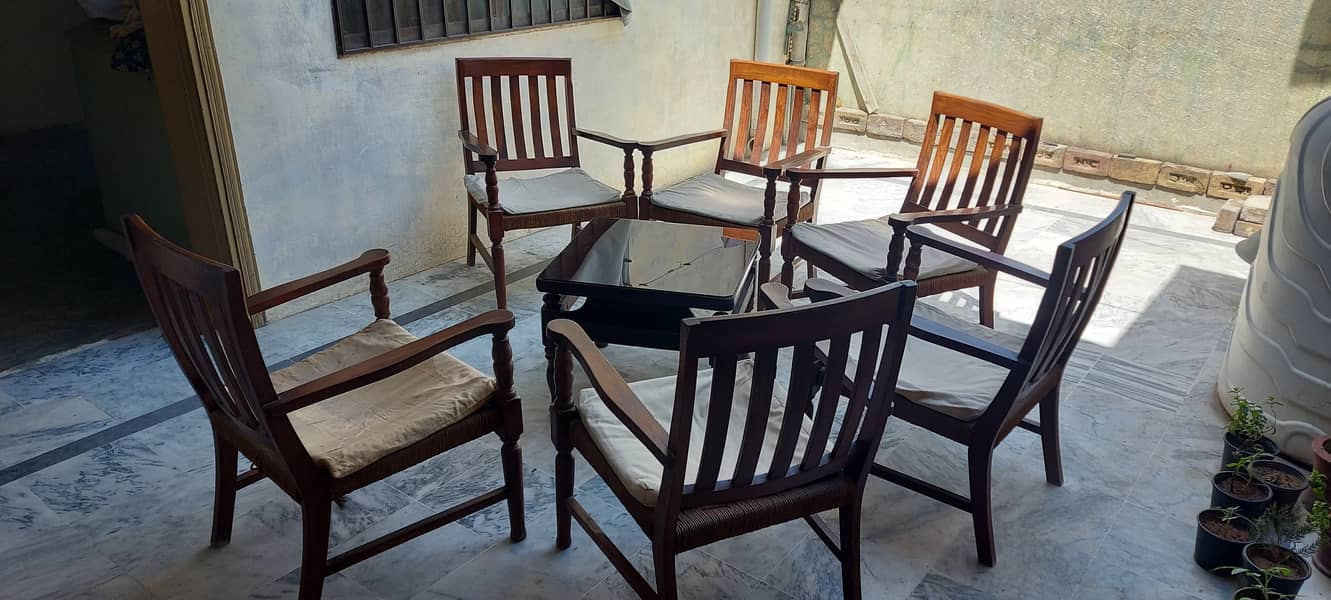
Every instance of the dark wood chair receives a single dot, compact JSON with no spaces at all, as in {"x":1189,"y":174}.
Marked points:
{"x":791,"y":124}
{"x":707,"y":455}
{"x":318,"y":429}
{"x":974,"y":385}
{"x":532,"y":106}
{"x":969,"y":180}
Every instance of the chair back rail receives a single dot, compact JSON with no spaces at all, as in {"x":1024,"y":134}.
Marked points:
{"x":773,"y":112}
{"x":522,"y":107}
{"x":974,"y":154}
{"x":1081,"y":269}
{"x":803,"y":451}
{"x":200,"y":306}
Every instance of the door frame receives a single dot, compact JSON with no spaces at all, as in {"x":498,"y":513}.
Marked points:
{"x":198,"y":127}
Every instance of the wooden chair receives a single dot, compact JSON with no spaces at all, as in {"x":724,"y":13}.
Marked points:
{"x":498,"y":96}
{"x":974,"y":385}
{"x":317,"y":429}
{"x":708,"y":455}
{"x":977,"y":199}
{"x":795,"y":131}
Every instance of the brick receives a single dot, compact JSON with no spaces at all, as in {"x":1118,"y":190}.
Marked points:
{"x":886,"y":126}
{"x":1050,"y":155}
{"x":1228,"y":216}
{"x":1183,"y":178}
{"x":1270,"y":188}
{"x":851,"y":120}
{"x":1255,"y":209}
{"x":1246,"y":229}
{"x":1234,"y":185}
{"x":1127,"y":167}
{"x":1086,"y":162}
{"x":914,"y":131}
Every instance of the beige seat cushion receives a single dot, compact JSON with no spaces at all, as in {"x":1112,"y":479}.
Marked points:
{"x":570,"y":188}
{"x":862,"y":247}
{"x":635,"y":466}
{"x":349,"y":431}
{"x":713,"y":196}
{"x":948,"y":381}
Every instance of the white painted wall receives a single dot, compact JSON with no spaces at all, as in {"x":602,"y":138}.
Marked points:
{"x":340,"y":155}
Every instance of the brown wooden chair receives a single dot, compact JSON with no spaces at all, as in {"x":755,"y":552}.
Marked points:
{"x":367,"y":407}
{"x":974,"y":385}
{"x":499,"y":96}
{"x":977,"y":199}
{"x":791,"y":123}
{"x":707,"y":455}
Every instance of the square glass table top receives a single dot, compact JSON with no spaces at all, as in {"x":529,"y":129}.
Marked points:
{"x":655,"y":262}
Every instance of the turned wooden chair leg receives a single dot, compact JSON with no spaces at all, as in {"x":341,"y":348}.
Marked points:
{"x":563,"y":490}
{"x":511,"y":456}
{"x":987,"y":304}
{"x":500,"y":275}
{"x":1053,"y":457}
{"x":316,"y":514}
{"x":980,"y":463}
{"x":664,"y":557}
{"x":224,"y":498}
{"x":765,"y":255}
{"x":850,"y":551}
{"x":471,"y":233}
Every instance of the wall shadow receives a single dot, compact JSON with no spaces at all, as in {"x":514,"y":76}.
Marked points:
{"x":1312,"y":62}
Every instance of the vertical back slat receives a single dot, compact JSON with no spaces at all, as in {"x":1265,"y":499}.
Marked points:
{"x":977,"y":159}
{"x":552,"y":101}
{"x":537,"y":127}
{"x":801,"y":379}
{"x":515,"y":107}
{"x":742,"y":127}
{"x":764,"y":99}
{"x":793,"y":131}
{"x":718,"y":422}
{"x":478,"y":107}
{"x":815,"y":110}
{"x":755,"y":420}
{"x":958,"y":157}
{"x":991,"y":174}
{"x":828,"y":399}
{"x":778,"y":129}
{"x":500,"y":123}
{"x":1009,"y":173}
{"x":936,"y":169}
{"x":870,"y":342}
{"x":570,"y":118}
{"x":729,"y":124}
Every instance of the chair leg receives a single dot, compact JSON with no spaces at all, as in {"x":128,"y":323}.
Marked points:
{"x":563,"y":487}
{"x":500,"y":275}
{"x":850,"y":551}
{"x":987,"y":304}
{"x":315,"y":516}
{"x":224,"y":498}
{"x":765,"y":255}
{"x":1053,"y":457}
{"x":471,"y":231}
{"x":980,"y":463}
{"x":511,"y":455}
{"x":666,"y":586}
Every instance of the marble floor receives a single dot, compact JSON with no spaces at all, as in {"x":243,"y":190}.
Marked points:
{"x":106,"y":460}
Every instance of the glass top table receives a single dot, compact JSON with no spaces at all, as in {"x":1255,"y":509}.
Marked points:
{"x":640,"y":278}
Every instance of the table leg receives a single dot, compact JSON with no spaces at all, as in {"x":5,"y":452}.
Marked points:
{"x":551,"y":309}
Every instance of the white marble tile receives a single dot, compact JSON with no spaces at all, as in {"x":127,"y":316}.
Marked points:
{"x":59,"y":565}
{"x":406,"y":570}
{"x":24,"y":518}
{"x":336,"y":587}
{"x":38,"y":428}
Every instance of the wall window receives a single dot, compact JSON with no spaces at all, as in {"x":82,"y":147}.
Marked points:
{"x":373,"y":24}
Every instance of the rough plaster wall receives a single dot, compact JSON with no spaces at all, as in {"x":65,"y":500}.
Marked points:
{"x":340,"y":155}
{"x":36,"y":66}
{"x":1216,"y":84}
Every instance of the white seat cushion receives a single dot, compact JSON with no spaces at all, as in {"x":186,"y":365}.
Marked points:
{"x":349,"y":431}
{"x":713,"y":196}
{"x":569,"y":188}
{"x":862,"y":247}
{"x":948,"y":381}
{"x":635,"y":466}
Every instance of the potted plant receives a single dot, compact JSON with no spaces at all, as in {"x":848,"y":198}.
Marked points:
{"x":1322,"y":455}
{"x":1221,"y":535}
{"x":1287,"y":483}
{"x":1287,"y":570}
{"x":1319,"y":519}
{"x":1239,"y":487}
{"x":1248,"y":427}
{"x":1256,"y":585}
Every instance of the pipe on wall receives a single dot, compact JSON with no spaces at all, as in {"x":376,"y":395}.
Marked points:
{"x":770,"y":30}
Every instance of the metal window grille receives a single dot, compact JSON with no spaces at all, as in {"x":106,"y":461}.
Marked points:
{"x":364,"y":25}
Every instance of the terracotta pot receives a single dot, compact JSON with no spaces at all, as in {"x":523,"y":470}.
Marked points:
{"x":1322,"y":456}
{"x":1322,"y":560}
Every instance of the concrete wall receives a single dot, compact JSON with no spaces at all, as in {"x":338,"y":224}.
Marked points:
{"x":36,"y":66}
{"x":1215,"y":84}
{"x":340,"y":155}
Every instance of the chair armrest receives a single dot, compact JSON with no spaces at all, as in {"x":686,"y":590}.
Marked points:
{"x":795,"y":160}
{"x":474,"y":144}
{"x":607,"y":139}
{"x":992,"y":260}
{"x":397,"y":360}
{"x":955,"y":215}
{"x":682,"y":140}
{"x":370,"y":262}
{"x":962,"y":342}
{"x":807,"y":174}
{"x":820,"y":290}
{"x":610,"y":385}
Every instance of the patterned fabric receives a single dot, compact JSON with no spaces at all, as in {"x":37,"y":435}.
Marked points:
{"x":131,"y":51}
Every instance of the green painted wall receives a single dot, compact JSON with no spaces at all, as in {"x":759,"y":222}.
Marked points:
{"x":1215,"y":84}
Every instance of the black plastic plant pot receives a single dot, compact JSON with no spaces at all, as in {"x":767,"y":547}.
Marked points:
{"x":1249,"y":505}
{"x":1287,"y":484}
{"x":1264,"y":556}
{"x":1249,"y":593}
{"x":1235,"y":450}
{"x":1219,"y":544}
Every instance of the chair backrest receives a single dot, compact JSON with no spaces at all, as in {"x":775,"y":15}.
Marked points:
{"x":811,"y":443}
{"x":1081,"y":268}
{"x":200,"y":306}
{"x":974,"y":154}
{"x":786,"y":109}
{"x":522,"y":107}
